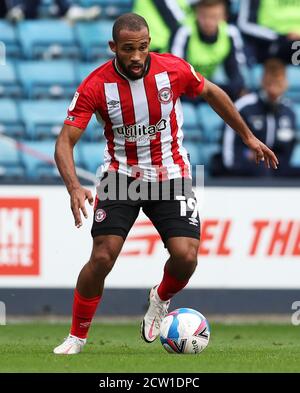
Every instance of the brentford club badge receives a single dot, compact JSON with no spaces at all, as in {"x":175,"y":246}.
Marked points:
{"x":100,"y":215}
{"x":165,"y":95}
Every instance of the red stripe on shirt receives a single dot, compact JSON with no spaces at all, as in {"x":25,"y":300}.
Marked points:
{"x":155,"y":116}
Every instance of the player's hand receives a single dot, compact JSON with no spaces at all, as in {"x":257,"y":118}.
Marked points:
{"x":261,"y":152}
{"x":78,"y":197}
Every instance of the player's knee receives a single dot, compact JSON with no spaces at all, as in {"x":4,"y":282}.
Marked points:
{"x":186,"y":257}
{"x":102,"y":261}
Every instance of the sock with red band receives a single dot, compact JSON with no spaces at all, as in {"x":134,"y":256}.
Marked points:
{"x":169,"y":286}
{"x":83,"y":312}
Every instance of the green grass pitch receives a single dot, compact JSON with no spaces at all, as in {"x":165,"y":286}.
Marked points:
{"x":118,"y":348}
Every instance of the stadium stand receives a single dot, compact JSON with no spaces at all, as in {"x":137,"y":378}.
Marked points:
{"x":43,"y":118}
{"x":48,"y":58}
{"x":9,"y":85}
{"x":10,"y":120}
{"x":210,"y":122}
{"x":92,"y":155}
{"x":93,"y":39}
{"x":47,"y":39}
{"x":48,"y":78}
{"x":84,"y":69}
{"x":110,"y":9}
{"x":11,"y":165}
{"x":9,"y":37}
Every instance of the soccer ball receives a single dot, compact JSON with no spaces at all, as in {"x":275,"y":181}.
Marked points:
{"x":184,"y":331}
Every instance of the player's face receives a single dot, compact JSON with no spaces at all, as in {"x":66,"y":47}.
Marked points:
{"x":209,"y":18}
{"x":275,"y":85}
{"x":132,"y":51}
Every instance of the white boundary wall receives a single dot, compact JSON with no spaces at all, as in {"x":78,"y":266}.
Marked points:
{"x":250,"y":239}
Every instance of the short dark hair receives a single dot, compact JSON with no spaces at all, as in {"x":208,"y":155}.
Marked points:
{"x":129,"y":21}
{"x":274,"y":66}
{"x":210,"y":3}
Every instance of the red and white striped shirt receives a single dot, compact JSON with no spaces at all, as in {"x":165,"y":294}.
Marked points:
{"x":142,"y":118}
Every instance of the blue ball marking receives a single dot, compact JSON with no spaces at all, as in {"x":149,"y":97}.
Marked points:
{"x":163,"y":340}
{"x":189,"y":311}
{"x":173,"y":329}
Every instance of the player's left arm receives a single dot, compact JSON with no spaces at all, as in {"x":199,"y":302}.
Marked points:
{"x":224,"y":107}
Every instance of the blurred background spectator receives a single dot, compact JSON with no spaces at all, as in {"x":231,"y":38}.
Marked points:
{"x":164,"y":17}
{"x":269,"y":27}
{"x":47,"y":57}
{"x":271,"y":118}
{"x":212,"y":45}
{"x":16,"y":10}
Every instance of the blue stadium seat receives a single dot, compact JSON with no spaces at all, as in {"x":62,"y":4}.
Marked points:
{"x":296,"y":107}
{"x":235,"y":7}
{"x":193,"y":134}
{"x":84,"y":69}
{"x":193,"y":150}
{"x":9,"y":37}
{"x":294,"y":83}
{"x":191,"y":128}
{"x":43,"y":118}
{"x":295,"y":159}
{"x":112,"y":8}
{"x":194,"y":153}
{"x":47,"y":78}
{"x":11,"y":165}
{"x":93,"y":38}
{"x":38,"y":157}
{"x":219,"y":76}
{"x":39,"y":162}
{"x":47,"y":39}
{"x":189,"y":116}
{"x":9,"y":86}
{"x":208,"y":150}
{"x":10,"y":121}
{"x":210,"y":122}
{"x":94,"y":131}
{"x":92,"y":155}
{"x":256,"y":76}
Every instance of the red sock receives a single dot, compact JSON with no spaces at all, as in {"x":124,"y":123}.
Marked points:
{"x":169,"y":286}
{"x":83,"y":312}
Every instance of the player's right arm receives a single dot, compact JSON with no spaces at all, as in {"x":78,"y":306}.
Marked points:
{"x":64,"y":159}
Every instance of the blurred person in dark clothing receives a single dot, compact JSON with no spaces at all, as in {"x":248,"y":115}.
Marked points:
{"x":29,"y":9}
{"x":270,"y":116}
{"x":270,"y":27}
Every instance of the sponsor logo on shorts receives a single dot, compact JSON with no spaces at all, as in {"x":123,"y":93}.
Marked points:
{"x":165,"y":95}
{"x":71,"y":118}
{"x":100,"y":215}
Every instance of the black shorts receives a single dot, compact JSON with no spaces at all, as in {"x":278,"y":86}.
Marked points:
{"x":172,"y":217}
